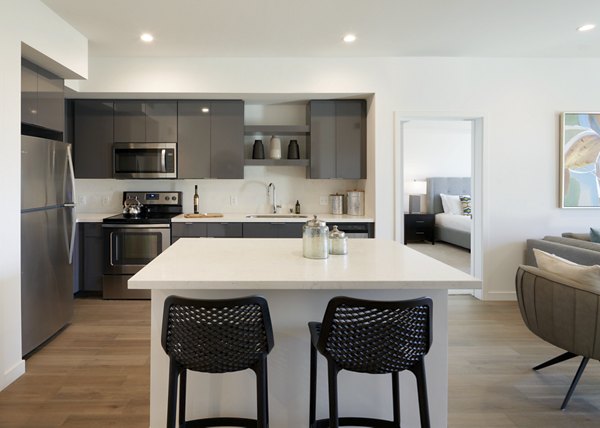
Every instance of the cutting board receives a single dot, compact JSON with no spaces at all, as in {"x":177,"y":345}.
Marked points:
{"x":203,"y":215}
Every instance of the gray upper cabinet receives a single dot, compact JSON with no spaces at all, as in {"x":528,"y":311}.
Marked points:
{"x":337,"y":142}
{"x":92,"y":138}
{"x":193,"y":129}
{"x":141,"y":121}
{"x":42,"y":98}
{"x":227,"y":139}
{"x":211,"y":139}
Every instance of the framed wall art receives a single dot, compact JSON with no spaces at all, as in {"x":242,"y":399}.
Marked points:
{"x":579,"y":160}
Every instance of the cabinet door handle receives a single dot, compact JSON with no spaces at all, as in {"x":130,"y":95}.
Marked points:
{"x":420,"y":221}
{"x":420,"y":233}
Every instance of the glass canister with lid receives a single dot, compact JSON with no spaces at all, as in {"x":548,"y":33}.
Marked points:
{"x":315,"y":239}
{"x":338,"y":242}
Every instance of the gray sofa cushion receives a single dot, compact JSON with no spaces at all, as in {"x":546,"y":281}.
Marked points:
{"x":589,"y":245}
{"x":561,"y":247}
{"x":582,"y":236}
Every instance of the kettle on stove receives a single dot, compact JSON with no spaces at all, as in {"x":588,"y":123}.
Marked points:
{"x":132,"y":206}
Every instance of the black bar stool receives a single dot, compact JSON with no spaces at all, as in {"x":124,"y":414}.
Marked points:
{"x":216,"y":336}
{"x":371,"y":337}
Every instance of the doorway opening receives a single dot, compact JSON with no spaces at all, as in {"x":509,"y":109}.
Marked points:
{"x":440,"y":158}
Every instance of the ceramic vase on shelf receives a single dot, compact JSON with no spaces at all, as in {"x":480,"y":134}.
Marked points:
{"x":275,"y":148}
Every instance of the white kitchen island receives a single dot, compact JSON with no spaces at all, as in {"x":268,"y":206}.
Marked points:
{"x":298,"y":290}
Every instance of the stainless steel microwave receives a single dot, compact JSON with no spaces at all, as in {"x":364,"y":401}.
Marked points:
{"x":145,"y":160}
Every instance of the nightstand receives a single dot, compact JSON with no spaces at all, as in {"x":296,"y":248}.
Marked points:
{"x":419,"y":227}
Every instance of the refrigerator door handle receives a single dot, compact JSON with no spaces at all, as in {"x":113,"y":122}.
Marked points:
{"x":71,"y":205}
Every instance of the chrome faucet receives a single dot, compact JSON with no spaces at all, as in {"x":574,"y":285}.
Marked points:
{"x":271,"y":189}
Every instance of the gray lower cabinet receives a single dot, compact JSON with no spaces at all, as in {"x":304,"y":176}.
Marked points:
{"x":145,"y":121}
{"x":42,"y":98}
{"x":93,"y":138}
{"x":210,"y":139}
{"x":91,"y":257}
{"x":273,"y":230}
{"x":205,"y":230}
{"x":337,"y":145}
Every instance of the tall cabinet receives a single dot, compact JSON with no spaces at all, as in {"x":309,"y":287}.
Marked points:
{"x":93,"y":138}
{"x":337,"y":141}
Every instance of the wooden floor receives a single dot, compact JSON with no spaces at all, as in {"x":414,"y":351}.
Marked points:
{"x":96,"y":373}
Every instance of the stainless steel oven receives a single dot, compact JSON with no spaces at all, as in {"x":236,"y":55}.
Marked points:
{"x":132,"y":241}
{"x":145,"y":160}
{"x":129,"y":247}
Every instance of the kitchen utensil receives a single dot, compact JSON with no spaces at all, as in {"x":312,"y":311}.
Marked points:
{"x":338,"y":242}
{"x":315,"y":239}
{"x":356,"y":202}
{"x":132,"y":206}
{"x":293,"y":150}
{"x":275,"y":148}
{"x":203,"y":215}
{"x":258,"y":151}
{"x":336,"y":203}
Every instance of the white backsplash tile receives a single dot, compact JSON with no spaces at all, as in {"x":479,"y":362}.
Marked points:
{"x":105,"y":195}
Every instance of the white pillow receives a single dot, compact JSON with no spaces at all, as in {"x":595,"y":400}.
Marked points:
{"x":451,"y":204}
{"x":588,"y":275}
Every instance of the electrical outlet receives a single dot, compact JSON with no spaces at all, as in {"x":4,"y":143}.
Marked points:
{"x":233,"y":200}
{"x":105,"y":200}
{"x":324,"y":200}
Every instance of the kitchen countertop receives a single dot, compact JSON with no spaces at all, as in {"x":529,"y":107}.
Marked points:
{"x":278,"y":264}
{"x":243,"y":218}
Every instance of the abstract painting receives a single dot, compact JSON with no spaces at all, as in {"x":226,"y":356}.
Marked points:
{"x":580,"y":161}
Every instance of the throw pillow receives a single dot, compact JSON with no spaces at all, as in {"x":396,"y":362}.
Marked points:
{"x":452,"y":205}
{"x":588,"y":275}
{"x":594,"y":234}
{"x":465,"y":202}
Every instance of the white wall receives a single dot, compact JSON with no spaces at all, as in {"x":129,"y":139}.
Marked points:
{"x":31,"y":22}
{"x":519,"y":99}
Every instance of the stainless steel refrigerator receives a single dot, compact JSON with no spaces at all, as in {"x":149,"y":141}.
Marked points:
{"x":47,"y":239}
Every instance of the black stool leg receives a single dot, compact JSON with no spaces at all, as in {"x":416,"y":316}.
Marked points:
{"x":396,"y":398}
{"x":172,"y":394}
{"x":419,"y":371}
{"x":574,"y":383}
{"x":313,"y":387}
{"x":182,"y":395}
{"x":333,"y":394}
{"x":562,"y":357}
{"x":261,"y":391}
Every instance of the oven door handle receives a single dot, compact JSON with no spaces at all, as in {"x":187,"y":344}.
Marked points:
{"x":137,"y":226}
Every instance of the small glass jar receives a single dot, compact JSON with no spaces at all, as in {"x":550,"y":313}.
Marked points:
{"x":315,"y":239}
{"x":338,"y":242}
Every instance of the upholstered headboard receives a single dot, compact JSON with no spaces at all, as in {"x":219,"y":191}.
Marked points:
{"x":446,"y":185}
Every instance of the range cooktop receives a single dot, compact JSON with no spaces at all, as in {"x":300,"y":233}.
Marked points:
{"x":157,"y":207}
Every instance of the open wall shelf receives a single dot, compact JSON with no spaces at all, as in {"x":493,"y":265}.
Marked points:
{"x":276,"y":162}
{"x":279,"y":130}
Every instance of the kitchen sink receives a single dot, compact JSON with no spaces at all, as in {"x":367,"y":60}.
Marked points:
{"x":276,"y":216}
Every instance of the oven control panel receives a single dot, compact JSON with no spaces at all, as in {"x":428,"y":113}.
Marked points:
{"x":155,"y":198}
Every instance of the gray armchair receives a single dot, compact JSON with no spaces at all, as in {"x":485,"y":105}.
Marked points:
{"x":563,"y":313}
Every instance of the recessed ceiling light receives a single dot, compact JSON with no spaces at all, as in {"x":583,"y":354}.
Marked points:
{"x":205,"y":109}
{"x":349,"y":38}
{"x":586,"y":27}
{"x":147,"y":37}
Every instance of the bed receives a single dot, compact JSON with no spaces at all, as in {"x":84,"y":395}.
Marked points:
{"x":450,"y":228}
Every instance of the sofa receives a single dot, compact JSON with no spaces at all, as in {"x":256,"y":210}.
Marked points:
{"x":576,"y":247}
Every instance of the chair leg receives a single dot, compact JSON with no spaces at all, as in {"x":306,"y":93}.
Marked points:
{"x":396,"y":398}
{"x":418,"y":370}
{"x":574,"y":383}
{"x":313,"y":387}
{"x":563,"y":357}
{"x":261,"y":391}
{"x":332,"y":371}
{"x":182,"y":396}
{"x":172,"y":395}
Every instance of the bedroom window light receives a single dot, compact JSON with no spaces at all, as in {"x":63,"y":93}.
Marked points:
{"x":416,"y":190}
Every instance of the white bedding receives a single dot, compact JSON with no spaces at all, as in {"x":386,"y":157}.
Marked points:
{"x":453,"y":221}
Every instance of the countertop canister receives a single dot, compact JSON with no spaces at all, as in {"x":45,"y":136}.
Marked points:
{"x":356,"y":202}
{"x":336,"y":202}
{"x":315,"y":239}
{"x":338,"y":242}
{"x":275,"y":148}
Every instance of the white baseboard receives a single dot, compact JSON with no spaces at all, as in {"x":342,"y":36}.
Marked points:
{"x":500,"y":296}
{"x":12,"y":374}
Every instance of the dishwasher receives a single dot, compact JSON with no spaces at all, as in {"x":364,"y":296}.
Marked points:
{"x":355,"y":230}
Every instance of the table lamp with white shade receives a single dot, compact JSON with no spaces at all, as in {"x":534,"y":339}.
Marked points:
{"x":417,"y":202}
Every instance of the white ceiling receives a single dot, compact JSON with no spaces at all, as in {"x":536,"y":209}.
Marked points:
{"x":314,"y":28}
